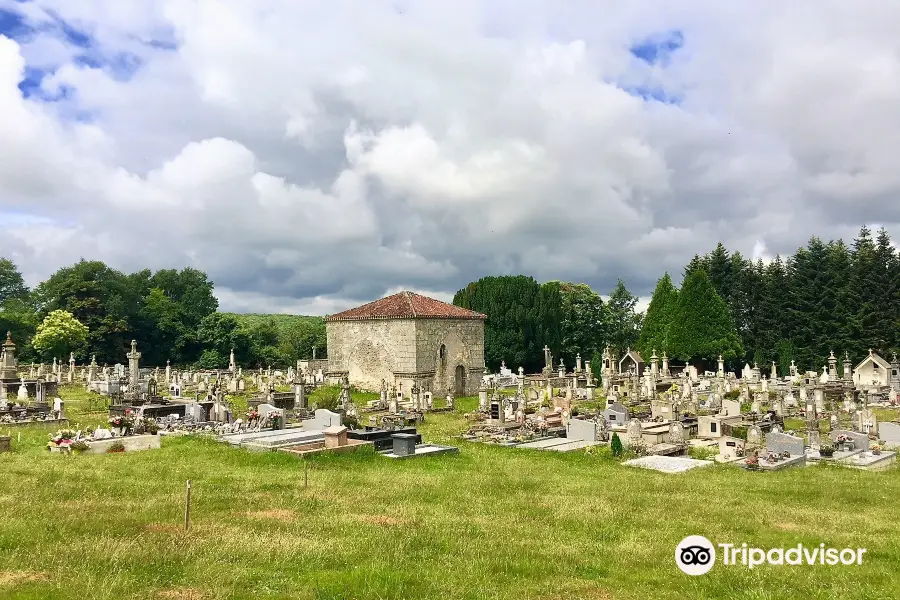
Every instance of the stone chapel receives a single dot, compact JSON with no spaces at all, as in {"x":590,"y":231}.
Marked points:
{"x":407,"y":339}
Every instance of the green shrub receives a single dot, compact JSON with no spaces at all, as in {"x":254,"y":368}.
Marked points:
{"x":732,"y":395}
{"x":616,"y":446}
{"x":739,"y":431}
{"x":701,"y":453}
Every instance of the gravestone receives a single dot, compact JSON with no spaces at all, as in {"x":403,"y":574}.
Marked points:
{"x":860,"y":440}
{"x":404,"y":444}
{"x":195,"y":411}
{"x":579,"y":429}
{"x":634,"y":433}
{"x":676,"y":432}
{"x":335,"y":436}
{"x":781,"y":442}
{"x":890,"y":433}
{"x":616,"y":414}
{"x":867,"y":422}
{"x":754,"y":436}
{"x":59,"y":408}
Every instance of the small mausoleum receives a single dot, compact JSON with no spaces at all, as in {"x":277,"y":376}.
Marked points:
{"x":408,"y":339}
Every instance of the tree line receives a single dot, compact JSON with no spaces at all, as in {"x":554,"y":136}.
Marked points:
{"x":570,"y":318}
{"x":827,"y":296}
{"x":93,"y":310}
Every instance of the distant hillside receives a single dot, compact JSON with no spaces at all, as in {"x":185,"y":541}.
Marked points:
{"x":284,"y":339}
{"x":281,"y":321}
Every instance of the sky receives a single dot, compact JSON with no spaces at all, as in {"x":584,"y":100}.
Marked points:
{"x":311,"y":156}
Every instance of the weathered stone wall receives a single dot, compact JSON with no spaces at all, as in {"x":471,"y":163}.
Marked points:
{"x":370,"y":351}
{"x":463,"y":342}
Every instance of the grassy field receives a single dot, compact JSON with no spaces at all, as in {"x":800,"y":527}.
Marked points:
{"x":487,"y":523}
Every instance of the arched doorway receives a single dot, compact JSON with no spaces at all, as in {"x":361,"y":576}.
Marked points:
{"x":460,"y":381}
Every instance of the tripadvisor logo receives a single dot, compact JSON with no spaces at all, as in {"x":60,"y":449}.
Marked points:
{"x":696,"y":555}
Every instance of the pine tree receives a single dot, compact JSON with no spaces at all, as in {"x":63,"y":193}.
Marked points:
{"x":655,"y":329}
{"x":743,"y":301}
{"x":702,"y":326}
{"x":624,"y":324}
{"x":720,"y":269}
{"x":772,"y":315}
{"x":864,"y":272}
{"x":808,"y":309}
{"x":696,"y":264}
{"x":839,"y":299}
{"x":615,"y":445}
{"x":885,"y":311}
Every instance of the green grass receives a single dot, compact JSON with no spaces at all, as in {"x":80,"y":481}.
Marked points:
{"x":490,"y":522}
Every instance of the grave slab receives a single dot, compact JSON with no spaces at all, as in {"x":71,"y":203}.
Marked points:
{"x":667,"y":464}
{"x":424,"y":450}
{"x":544,"y":444}
{"x":573,"y":445}
{"x":870,"y":462}
{"x":132,"y":443}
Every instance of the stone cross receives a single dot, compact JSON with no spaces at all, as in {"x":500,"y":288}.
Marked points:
{"x":134,"y":358}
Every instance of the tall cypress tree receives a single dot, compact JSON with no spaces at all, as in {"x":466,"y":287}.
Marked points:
{"x":702,"y":326}
{"x":655,"y":329}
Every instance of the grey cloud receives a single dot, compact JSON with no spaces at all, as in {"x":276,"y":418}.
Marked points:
{"x":297,"y":154}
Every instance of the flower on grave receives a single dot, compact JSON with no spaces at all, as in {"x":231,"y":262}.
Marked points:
{"x":62,"y":438}
{"x":876,"y":449}
{"x":124,"y":421}
{"x":252,"y":414}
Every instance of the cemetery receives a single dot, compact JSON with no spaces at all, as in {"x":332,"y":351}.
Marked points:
{"x":327,"y":435}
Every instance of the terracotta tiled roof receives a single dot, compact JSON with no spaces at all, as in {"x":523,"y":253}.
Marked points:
{"x":405,"y":305}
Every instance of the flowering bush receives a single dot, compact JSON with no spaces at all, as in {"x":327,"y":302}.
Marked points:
{"x":752,"y":461}
{"x":826,"y":451}
{"x":116,"y":447}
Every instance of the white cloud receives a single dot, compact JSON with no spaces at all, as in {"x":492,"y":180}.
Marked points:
{"x":312,"y":156}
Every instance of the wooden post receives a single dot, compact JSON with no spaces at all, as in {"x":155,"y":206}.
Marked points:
{"x":187,"y":507}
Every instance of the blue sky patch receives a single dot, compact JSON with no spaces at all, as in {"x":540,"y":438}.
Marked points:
{"x":653,"y":94}
{"x":13,"y":25}
{"x":658,"y":48}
